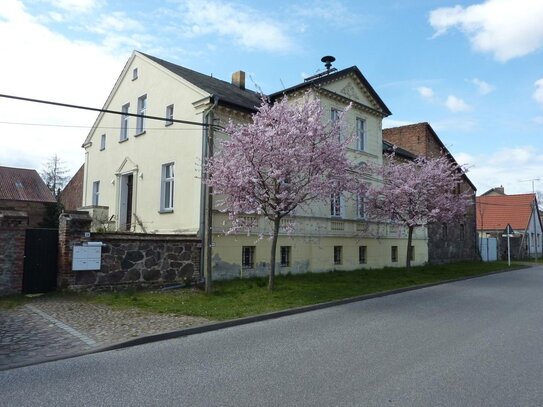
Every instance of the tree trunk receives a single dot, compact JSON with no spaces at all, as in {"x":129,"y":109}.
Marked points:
{"x":409,"y":240}
{"x":276,"y":224}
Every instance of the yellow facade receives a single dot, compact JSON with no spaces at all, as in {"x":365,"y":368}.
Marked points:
{"x":135,"y":167}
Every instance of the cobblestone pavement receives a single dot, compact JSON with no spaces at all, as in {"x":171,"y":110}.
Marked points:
{"x":48,"y":328}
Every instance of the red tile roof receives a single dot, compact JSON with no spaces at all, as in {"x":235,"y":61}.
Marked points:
{"x":19,"y":184}
{"x":494,"y":212}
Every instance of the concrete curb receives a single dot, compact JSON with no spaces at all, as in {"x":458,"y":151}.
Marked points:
{"x":215,"y":326}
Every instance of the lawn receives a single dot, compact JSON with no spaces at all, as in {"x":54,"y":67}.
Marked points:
{"x":239,"y":298}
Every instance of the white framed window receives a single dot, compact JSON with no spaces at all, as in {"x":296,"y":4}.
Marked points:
{"x":169,"y":115}
{"x":360,"y":134}
{"x":124,"y":122}
{"x":134,"y":74}
{"x":142,"y":108}
{"x":285,"y":256}
{"x":360,"y":207}
{"x":95,"y":193}
{"x":167,"y":190}
{"x":103,"y":142}
{"x":248,"y":257}
{"x":338,"y":255}
{"x":336,"y":205}
{"x":335,"y":118}
{"x":362,"y":254}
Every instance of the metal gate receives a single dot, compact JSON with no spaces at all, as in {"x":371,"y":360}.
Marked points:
{"x":489,"y":248}
{"x":40,"y":262}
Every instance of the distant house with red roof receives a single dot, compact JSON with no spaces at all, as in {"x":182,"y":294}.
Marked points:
{"x":71,"y":196}
{"x":23,"y":190}
{"x":496,"y":210}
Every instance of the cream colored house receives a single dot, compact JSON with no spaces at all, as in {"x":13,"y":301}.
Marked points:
{"x":143,"y":175}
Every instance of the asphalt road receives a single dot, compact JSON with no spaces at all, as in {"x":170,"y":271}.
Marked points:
{"x":477,"y":342}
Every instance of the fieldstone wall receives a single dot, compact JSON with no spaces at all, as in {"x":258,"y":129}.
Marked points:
{"x":13,"y":226}
{"x":143,"y":261}
{"x":128,"y":259}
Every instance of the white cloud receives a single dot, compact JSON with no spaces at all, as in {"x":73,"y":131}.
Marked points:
{"x":456,"y":105}
{"x":505,"y":28}
{"x":332,"y":12}
{"x":538,"y":119}
{"x":538,"y":93}
{"x":388,"y":123}
{"x":426,"y":92}
{"x":115,"y":21}
{"x":484,"y":87}
{"x":77,"y":6}
{"x":504,"y":167}
{"x":243,"y":25}
{"x":51,"y":67}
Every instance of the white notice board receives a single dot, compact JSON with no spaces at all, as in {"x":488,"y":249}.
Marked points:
{"x":86,"y":258}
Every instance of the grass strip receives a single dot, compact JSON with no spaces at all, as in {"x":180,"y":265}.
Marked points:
{"x":245,"y":297}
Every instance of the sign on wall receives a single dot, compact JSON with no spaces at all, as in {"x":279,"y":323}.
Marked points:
{"x":87,"y":257}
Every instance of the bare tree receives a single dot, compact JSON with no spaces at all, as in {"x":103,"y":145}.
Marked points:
{"x":54,"y":174}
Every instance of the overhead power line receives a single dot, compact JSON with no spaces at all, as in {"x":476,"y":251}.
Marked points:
{"x":95,"y":109}
{"x":90,"y":127}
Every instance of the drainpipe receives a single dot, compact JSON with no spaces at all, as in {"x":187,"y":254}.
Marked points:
{"x":206,"y":198}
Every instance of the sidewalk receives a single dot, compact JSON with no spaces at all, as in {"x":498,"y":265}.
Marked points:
{"x":50,"y":328}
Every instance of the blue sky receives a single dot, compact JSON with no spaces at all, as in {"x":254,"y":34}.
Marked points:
{"x":472,"y":69}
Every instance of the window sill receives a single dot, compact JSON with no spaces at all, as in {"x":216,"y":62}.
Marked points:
{"x":123,"y":140}
{"x":102,"y":149}
{"x":165,"y":211}
{"x":168,"y":124}
{"x":141,"y":133}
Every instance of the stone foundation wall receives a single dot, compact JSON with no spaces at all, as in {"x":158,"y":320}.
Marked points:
{"x":143,"y":261}
{"x":13,"y":226}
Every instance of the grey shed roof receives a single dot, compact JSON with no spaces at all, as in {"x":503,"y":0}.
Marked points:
{"x":229,"y":95}
{"x":19,"y":184}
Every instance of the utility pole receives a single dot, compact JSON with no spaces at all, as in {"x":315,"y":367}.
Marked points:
{"x":534,"y":214}
{"x":207,"y":224}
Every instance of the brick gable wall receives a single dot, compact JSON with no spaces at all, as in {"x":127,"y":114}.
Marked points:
{"x":455,"y":242}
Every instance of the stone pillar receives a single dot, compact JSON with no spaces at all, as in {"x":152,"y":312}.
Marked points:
{"x":13,"y":226}
{"x":71,"y":231}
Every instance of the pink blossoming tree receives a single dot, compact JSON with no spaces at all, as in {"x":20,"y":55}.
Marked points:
{"x":415,"y":193}
{"x":287,"y":157}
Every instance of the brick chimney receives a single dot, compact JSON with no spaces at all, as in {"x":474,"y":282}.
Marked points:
{"x":238,"y":79}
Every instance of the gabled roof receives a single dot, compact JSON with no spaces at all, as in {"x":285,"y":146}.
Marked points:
{"x":20,"y":184}
{"x":494,"y":212}
{"x":71,"y":196}
{"x":334,"y":76}
{"x":229,"y":94}
{"x":395,"y":132}
{"x":388,"y":148}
